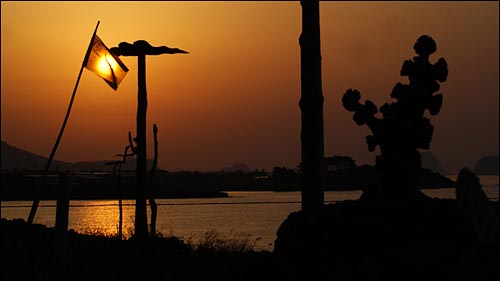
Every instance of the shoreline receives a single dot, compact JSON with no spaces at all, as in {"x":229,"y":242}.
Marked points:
{"x":89,"y":197}
{"x":400,"y":246}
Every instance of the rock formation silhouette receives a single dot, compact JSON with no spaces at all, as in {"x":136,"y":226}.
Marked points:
{"x":403,"y":128}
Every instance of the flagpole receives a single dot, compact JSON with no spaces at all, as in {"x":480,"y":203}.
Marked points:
{"x":36,"y":201}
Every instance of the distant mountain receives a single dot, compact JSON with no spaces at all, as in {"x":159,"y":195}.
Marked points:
{"x":488,"y":165}
{"x":430,"y":162}
{"x":14,"y":158}
{"x":235,"y":168}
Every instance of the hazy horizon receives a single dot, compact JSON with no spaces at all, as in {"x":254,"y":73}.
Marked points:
{"x":234,"y":98}
{"x":432,"y":164}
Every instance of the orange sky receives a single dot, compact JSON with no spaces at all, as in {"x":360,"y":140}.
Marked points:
{"x":234,"y":98}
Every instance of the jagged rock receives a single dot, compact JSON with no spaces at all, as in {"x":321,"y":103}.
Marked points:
{"x":476,"y":207}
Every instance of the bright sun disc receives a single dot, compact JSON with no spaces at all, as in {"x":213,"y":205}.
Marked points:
{"x":106,"y":64}
{"x":103,"y":66}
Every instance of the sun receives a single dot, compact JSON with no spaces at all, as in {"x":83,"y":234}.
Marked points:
{"x":105,"y":65}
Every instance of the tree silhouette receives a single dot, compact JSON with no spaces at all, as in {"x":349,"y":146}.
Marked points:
{"x":339,"y":163}
{"x":311,"y":105}
{"x":403,"y":128}
{"x":279,"y":172}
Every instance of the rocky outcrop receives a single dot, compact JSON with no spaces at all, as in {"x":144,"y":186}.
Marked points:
{"x":430,"y":239}
{"x":487,"y":165}
{"x":476,"y":207}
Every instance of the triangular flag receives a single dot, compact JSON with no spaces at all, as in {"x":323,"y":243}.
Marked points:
{"x":105,"y":64}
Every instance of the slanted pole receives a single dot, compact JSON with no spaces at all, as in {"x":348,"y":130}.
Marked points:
{"x":36,"y":201}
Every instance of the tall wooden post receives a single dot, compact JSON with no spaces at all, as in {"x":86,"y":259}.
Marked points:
{"x":141,"y":49}
{"x":311,"y":105}
{"x":60,"y":242}
{"x":141,"y":220}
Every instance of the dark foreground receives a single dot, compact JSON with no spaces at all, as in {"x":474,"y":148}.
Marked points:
{"x":354,"y":242}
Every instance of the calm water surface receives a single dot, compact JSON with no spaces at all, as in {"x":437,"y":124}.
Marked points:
{"x":255,"y":216}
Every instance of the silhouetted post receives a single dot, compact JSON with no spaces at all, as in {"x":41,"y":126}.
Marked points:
{"x":120,"y":203}
{"x":141,"y":226}
{"x":140,"y":49}
{"x":62,"y":208}
{"x":62,"y":213}
{"x":311,"y":105}
{"x":152,"y":202}
{"x":119,"y":193}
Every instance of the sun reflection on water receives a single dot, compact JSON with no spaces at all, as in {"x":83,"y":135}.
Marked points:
{"x":102,"y":220}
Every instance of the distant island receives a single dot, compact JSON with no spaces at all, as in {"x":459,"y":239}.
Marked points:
{"x":487,"y":165}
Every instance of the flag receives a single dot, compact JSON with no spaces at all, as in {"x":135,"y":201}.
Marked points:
{"x":105,"y":64}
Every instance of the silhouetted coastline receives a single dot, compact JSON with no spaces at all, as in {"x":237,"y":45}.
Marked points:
{"x":186,"y":184}
{"x":95,"y":180}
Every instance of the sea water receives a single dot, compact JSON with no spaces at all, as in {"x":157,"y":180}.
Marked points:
{"x":251,"y":216}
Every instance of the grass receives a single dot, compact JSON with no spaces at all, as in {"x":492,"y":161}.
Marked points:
{"x":210,"y":241}
{"x":213,"y":241}
{"x":28,"y":253}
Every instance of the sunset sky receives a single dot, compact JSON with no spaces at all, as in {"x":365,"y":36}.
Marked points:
{"x":234,"y":97}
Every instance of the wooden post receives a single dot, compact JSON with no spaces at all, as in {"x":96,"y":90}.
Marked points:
{"x":62,"y":208}
{"x":311,"y":105}
{"x":140,"y":49}
{"x":152,"y":202}
{"x":61,"y":228}
{"x":141,"y":221}
{"x":120,"y":204}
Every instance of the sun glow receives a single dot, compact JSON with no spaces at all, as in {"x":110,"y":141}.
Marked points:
{"x":105,"y":65}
